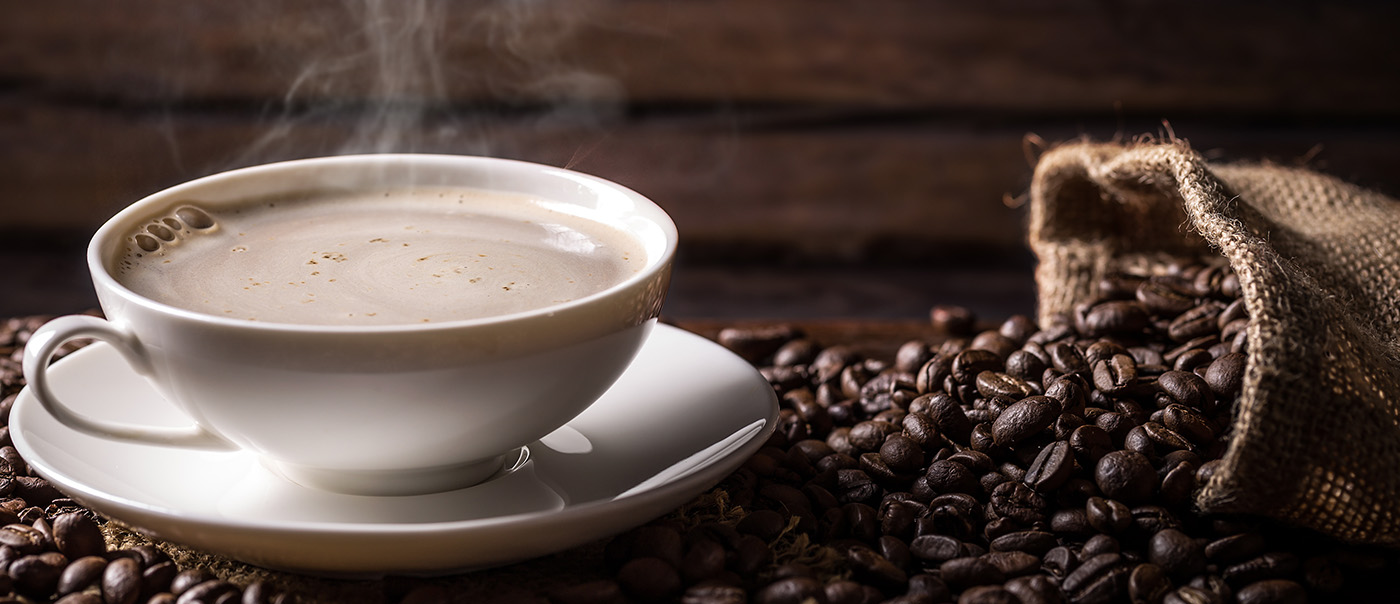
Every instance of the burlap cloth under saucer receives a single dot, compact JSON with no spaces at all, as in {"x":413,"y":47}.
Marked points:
{"x":1316,"y":439}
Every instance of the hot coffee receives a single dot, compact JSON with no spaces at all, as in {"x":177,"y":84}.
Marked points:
{"x":376,"y":257}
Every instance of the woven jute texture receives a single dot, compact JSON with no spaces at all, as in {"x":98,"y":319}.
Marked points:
{"x":1316,"y":436}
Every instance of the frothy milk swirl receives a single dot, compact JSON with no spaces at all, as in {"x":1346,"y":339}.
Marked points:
{"x":374,"y":258}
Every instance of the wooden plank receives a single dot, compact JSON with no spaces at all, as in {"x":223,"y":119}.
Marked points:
{"x":830,"y":192}
{"x":1251,"y":58}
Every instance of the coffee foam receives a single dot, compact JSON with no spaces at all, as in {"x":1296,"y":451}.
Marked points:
{"x":380,"y":257}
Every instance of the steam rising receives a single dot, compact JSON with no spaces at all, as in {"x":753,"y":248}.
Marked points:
{"x":378,"y":77}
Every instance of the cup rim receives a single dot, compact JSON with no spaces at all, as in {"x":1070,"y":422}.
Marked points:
{"x":643,"y":206}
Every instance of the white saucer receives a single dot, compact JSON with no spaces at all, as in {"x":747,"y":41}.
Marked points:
{"x":683,"y":416}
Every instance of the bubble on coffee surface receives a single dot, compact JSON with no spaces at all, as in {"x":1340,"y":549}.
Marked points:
{"x":378,"y":257}
{"x":155,"y":235}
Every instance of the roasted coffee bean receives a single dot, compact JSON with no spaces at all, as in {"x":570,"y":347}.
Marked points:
{"x":1213,"y":584}
{"x":1271,"y":565}
{"x":1013,"y":563}
{"x":1137,"y":441}
{"x":1115,"y":374}
{"x":209,"y":591}
{"x":856,"y":486}
{"x":801,"y":351}
{"x":1066,"y":358}
{"x":1035,"y":589}
{"x":1107,"y":515}
{"x":90,"y":598}
{"x":948,"y":415}
{"x":1032,"y":542}
{"x":1190,"y":359}
{"x":994,"y":342}
{"x":988,"y":594}
{"x":996,"y":383}
{"x":755,"y":344}
{"x":936,"y":548}
{"x":1148,"y":584}
{"x":874,"y":466}
{"x":921,"y":429}
{"x":1165,"y":438}
{"x":1196,"y":322}
{"x":1235,"y":548}
{"x":1102,"y":350}
{"x":186,"y":579}
{"x":902,"y":454}
{"x":1025,"y":366}
{"x":792,"y":590}
{"x":1098,"y":545}
{"x":897,"y":518}
{"x":1177,"y":554}
{"x":1233,"y":311}
{"x":1164,"y":296}
{"x":1188,"y":389}
{"x":1178,"y":484}
{"x":1090,"y":443}
{"x":1089,"y":574}
{"x":870,"y":567}
{"x":1060,"y":560}
{"x":77,"y":535}
{"x":24,"y":538}
{"x":813,"y":449}
{"x":966,"y":572}
{"x":156,"y":578}
{"x":862,"y":521}
{"x":38,"y":574}
{"x":1018,"y":502}
{"x":1052,"y":467}
{"x":849,"y":592}
{"x":1150,"y":519}
{"x":1115,"y":317}
{"x":912,"y":355}
{"x":953,"y":320}
{"x":946,"y":476}
{"x":1126,"y":476}
{"x":1071,"y":522}
{"x":869,"y":435}
{"x":1117,"y":425}
{"x":1225,"y":375}
{"x":1273,"y":591}
{"x":969,"y":363}
{"x":1187,"y":594}
{"x":930,"y":377}
{"x":1189,"y":423}
{"x":80,"y":574}
{"x":1024,"y":419}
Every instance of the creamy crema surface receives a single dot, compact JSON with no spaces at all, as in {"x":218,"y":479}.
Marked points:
{"x":376,"y":257}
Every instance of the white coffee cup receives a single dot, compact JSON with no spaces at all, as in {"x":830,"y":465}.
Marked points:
{"x":371,"y":409}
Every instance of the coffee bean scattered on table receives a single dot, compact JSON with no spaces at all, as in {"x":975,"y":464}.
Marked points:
{"x":1025,"y":463}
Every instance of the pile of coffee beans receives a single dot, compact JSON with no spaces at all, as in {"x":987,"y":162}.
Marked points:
{"x":53,"y":550}
{"x":1025,"y":463}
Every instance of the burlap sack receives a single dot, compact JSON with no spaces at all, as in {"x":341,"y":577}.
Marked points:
{"x":1316,"y":438}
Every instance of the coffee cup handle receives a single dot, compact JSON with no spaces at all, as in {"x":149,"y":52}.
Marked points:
{"x":47,"y":340}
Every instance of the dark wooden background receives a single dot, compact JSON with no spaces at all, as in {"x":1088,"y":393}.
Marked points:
{"x":822,"y":159}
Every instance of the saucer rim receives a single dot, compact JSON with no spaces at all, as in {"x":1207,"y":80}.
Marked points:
{"x":694,"y":482}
